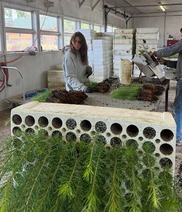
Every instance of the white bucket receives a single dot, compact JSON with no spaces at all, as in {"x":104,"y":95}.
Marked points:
{"x":125,"y":71}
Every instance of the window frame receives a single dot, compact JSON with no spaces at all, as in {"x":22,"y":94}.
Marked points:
{"x":15,"y":29}
{"x":57,"y":33}
{"x":69,"y":34}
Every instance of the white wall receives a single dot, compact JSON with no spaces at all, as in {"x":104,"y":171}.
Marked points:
{"x":167,"y":25}
{"x":34,"y":70}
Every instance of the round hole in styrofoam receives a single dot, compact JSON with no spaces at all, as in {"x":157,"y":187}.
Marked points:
{"x":43,"y":121}
{"x":132,"y":143}
{"x":156,"y":168}
{"x":57,"y":122}
{"x":140,"y":152}
{"x":116,"y":128}
{"x":115,"y":141}
{"x":124,"y":136}
{"x":148,"y":146}
{"x":85,"y":125}
{"x":157,"y":141}
{"x":17,"y":131}
{"x":17,"y":119}
{"x":93,"y":133}
{"x":36,"y":127}
{"x":128,"y":198}
{"x":71,"y":124}
{"x":23,"y":126}
{"x":17,"y":143}
{"x":149,"y":132}
{"x":149,"y":160}
{"x":166,"y":175}
{"x":57,"y":133}
{"x":132,"y":130}
{"x":85,"y":138}
{"x":100,"y":139}
{"x":128,"y":185}
{"x":49,"y":129}
{"x":63,"y":129}
{"x":166,"y":135}
{"x":29,"y":121}
{"x":108,"y":134}
{"x":70,"y":137}
{"x":157,"y":155}
{"x":29,"y":130}
{"x":146,"y":173}
{"x":78,"y":131}
{"x":165,"y":163}
{"x":43,"y":132}
{"x":100,"y":127}
{"x":140,"y":138}
{"x":166,"y":149}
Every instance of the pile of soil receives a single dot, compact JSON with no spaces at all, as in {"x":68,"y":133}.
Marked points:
{"x":105,"y":86}
{"x":70,"y":97}
{"x":150,"y":92}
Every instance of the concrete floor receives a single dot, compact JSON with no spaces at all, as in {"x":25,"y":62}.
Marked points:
{"x":4,"y":124}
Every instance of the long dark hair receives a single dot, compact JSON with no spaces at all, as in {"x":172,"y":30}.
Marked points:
{"x":84,"y":48}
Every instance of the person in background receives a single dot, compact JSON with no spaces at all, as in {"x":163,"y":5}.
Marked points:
{"x":75,"y":64}
{"x":169,"y":51}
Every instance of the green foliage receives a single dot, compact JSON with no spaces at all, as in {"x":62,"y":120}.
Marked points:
{"x":129,"y":92}
{"x":41,"y":97}
{"x":92,"y":86}
{"x":46,"y":174}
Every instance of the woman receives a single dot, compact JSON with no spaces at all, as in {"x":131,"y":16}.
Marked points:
{"x":75,"y":64}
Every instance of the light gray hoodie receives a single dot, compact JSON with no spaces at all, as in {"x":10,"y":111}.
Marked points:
{"x":171,"y":50}
{"x":74,"y":71}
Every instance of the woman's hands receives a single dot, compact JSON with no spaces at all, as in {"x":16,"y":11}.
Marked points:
{"x":88,"y":71}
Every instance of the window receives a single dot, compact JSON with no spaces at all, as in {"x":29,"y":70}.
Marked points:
{"x":48,"y":23}
{"x":49,"y":33}
{"x":85,"y":25}
{"x":18,"y":29}
{"x":69,"y":29}
{"x":97,"y":28}
{"x":18,"y":41}
{"x":109,"y":29}
{"x":17,"y":19}
{"x":49,"y":42}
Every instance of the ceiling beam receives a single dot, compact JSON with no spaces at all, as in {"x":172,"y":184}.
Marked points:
{"x":130,"y":5}
{"x":81,"y":3}
{"x":150,"y":5}
{"x":96,"y":3}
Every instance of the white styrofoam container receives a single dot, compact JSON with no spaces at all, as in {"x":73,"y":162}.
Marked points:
{"x":147,"y":30}
{"x":124,"y":31}
{"x":154,"y":36}
{"x":123,"y":36}
{"x":123,"y":41}
{"x":122,"y":47}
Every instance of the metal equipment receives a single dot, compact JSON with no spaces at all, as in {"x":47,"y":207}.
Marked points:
{"x":149,"y":66}
{"x":21,"y":75}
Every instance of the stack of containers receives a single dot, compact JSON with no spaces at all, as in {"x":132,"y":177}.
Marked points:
{"x":102,"y":57}
{"x":146,"y":40}
{"x":123,"y":49}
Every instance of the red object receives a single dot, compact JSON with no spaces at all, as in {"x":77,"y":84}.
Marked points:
{"x":171,"y":42}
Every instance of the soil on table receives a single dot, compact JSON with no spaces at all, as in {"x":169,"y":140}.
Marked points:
{"x":150,"y":91}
